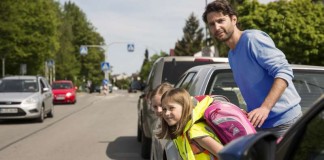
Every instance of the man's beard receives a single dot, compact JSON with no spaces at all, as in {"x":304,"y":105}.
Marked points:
{"x":228,"y":35}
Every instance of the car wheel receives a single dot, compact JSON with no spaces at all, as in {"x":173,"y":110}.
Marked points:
{"x":146,"y":147}
{"x":51,"y":113}
{"x":41,"y":115}
{"x":139,"y":133}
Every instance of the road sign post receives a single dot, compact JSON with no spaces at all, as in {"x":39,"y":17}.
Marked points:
{"x":84,"y":51}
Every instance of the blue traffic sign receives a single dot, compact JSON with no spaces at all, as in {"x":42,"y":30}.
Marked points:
{"x":83,"y":50}
{"x":105,"y":81}
{"x":130,"y":47}
{"x":105,"y":66}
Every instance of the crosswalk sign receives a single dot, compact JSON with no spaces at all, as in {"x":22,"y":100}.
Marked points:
{"x":105,"y":66}
{"x":130,"y":47}
{"x":83,"y":50}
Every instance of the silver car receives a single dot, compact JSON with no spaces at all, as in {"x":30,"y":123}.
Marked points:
{"x":218,"y":79}
{"x":25,"y":97}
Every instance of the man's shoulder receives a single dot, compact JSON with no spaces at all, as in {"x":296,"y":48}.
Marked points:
{"x":253,"y":32}
{"x":255,"y":35}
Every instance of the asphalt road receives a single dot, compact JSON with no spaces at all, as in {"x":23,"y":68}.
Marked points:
{"x":97,"y":127}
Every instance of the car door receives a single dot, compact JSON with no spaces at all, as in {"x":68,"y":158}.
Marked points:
{"x":46,"y":94}
{"x":305,"y":140}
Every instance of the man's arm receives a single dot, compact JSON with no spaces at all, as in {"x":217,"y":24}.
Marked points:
{"x":259,"y":115}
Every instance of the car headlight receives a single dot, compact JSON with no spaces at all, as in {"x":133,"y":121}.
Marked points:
{"x":30,"y":100}
{"x":68,"y":94}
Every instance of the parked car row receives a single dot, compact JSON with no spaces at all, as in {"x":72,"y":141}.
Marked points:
{"x":32,"y":97}
{"x":200,"y":79}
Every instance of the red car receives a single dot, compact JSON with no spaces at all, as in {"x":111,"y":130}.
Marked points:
{"x":64,"y":92}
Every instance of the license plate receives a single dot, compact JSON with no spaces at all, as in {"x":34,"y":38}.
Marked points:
{"x":60,"y":98}
{"x":9,"y":110}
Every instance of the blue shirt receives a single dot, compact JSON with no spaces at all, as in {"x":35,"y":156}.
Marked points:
{"x":256,"y":62}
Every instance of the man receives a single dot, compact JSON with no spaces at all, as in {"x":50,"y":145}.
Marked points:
{"x":260,"y":70}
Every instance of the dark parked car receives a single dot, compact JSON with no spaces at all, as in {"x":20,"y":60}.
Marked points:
{"x":95,"y":88}
{"x":303,"y":141}
{"x":135,"y":86}
{"x":165,"y":69}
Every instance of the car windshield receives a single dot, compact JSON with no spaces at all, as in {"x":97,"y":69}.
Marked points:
{"x":62,"y":86}
{"x":18,"y":85}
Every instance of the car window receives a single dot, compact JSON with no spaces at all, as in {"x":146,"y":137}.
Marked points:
{"x":18,"y":85}
{"x":30,"y":85}
{"x":151,"y":75}
{"x":309,"y":85}
{"x":311,"y":145}
{"x":43,"y":84}
{"x":186,"y":81}
{"x":222,"y":83}
{"x":173,"y":70}
{"x":62,"y":86}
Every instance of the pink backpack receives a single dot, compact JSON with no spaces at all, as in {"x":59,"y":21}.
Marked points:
{"x":226,"y":119}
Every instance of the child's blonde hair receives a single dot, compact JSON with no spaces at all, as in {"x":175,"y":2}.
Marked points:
{"x":183,"y":98}
{"x":160,"y":89}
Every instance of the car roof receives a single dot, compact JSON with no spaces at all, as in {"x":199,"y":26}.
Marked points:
{"x":191,"y":58}
{"x":62,"y":81}
{"x":21,"y":77}
{"x":217,"y":65}
{"x":227,"y":66}
{"x":301,"y":66}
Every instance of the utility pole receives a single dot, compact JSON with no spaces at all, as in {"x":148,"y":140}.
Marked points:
{"x":3,"y":67}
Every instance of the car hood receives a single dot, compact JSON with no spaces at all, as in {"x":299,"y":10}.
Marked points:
{"x":15,"y":96}
{"x":62,"y":91}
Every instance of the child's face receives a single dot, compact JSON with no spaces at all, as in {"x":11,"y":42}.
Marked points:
{"x":156,"y":104}
{"x":172,"y":112}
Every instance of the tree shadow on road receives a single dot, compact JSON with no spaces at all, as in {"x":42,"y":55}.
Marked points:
{"x":124,"y":148}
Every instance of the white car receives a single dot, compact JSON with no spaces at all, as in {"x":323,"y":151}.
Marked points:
{"x":25,"y":97}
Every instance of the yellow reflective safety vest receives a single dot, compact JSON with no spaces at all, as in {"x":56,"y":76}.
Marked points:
{"x":194,"y":129}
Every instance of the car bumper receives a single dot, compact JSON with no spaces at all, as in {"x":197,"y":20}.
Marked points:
{"x":19,"y":111}
{"x":64,"y":99}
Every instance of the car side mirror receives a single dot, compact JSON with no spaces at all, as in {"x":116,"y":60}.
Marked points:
{"x":261,"y":145}
{"x":45,"y":89}
{"x":75,"y":87}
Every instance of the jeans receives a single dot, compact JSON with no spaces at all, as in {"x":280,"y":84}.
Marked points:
{"x":280,"y":130}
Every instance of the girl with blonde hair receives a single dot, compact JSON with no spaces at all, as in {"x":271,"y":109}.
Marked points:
{"x":184,"y":124}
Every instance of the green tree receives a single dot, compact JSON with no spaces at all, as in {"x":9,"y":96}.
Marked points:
{"x":67,"y":66}
{"x":296,"y":27}
{"x":29,"y":34}
{"x":192,"y":39}
{"x":83,"y":33}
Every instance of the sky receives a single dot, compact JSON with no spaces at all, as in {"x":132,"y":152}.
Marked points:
{"x":155,"y":25}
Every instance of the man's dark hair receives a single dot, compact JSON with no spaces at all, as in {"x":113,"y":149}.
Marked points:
{"x":222,"y":6}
